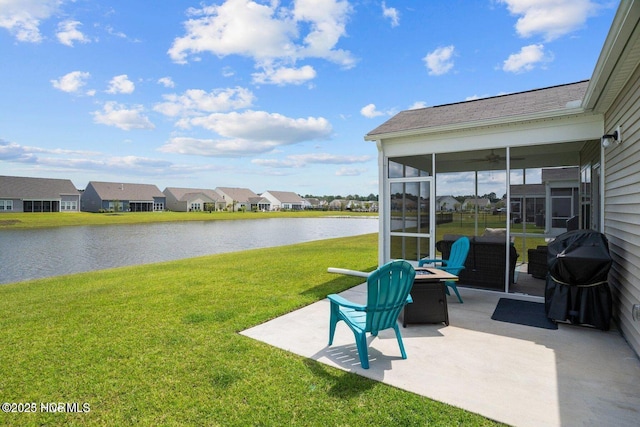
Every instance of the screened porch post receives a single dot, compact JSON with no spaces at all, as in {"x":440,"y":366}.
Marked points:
{"x":508,"y":224}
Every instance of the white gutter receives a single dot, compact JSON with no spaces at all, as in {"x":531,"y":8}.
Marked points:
{"x":542,"y":115}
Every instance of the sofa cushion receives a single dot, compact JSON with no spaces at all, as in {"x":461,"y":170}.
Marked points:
{"x":495,"y":232}
{"x":489,"y":239}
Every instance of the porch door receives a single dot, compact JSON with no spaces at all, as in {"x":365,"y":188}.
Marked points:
{"x":411,"y":218}
{"x":564,"y":205}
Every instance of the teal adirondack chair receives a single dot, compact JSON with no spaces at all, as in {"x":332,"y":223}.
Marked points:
{"x":453,"y":265}
{"x":388,"y":290}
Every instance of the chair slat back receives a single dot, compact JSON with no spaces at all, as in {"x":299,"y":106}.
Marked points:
{"x":387,"y":291}
{"x":458,"y":255}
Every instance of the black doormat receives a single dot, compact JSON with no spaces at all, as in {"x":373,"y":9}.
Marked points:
{"x":523,"y":313}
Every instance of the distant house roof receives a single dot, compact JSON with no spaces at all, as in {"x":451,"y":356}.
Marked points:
{"x":125,"y":191}
{"x":313,"y":201}
{"x":481,"y":201}
{"x":286,"y":196}
{"x":186,"y":194}
{"x":259,"y":201}
{"x":560,"y":174}
{"x":562,"y":97}
{"x":241,"y":195}
{"x":527,"y":190}
{"x":16,"y":187}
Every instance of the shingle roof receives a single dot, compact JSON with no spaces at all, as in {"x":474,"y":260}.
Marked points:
{"x":185,"y":194}
{"x":16,"y":187}
{"x":241,"y":195}
{"x":560,"y":174}
{"x":504,"y":106}
{"x":125,"y":191}
{"x":286,"y":196}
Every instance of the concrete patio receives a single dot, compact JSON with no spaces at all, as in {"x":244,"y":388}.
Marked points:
{"x":519,"y":375}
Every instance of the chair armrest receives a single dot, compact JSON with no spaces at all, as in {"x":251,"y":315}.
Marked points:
{"x":424,"y":261}
{"x":337,"y":299}
{"x":452,"y":267}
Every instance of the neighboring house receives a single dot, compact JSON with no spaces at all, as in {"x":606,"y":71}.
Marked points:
{"x":559,"y":189}
{"x":236,"y":199}
{"x":259,"y":203}
{"x":21,"y":194}
{"x":286,"y":200}
{"x":481,"y":202}
{"x":592,"y":125}
{"x":311,"y":203}
{"x":192,"y":199}
{"x":338,"y":204}
{"x":447,"y":203}
{"x":122,"y":197}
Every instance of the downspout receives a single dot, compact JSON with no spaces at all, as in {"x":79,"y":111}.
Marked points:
{"x":601,"y":183}
{"x":383,"y":212}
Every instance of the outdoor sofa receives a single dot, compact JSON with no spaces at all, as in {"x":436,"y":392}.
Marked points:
{"x":486,"y":261}
{"x":537,"y":259}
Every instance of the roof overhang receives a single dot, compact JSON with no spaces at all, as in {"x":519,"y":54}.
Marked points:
{"x":618,"y":59}
{"x":546,"y":129}
{"x":491,"y":123}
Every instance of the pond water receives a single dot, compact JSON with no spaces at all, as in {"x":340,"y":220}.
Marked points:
{"x":31,"y":254}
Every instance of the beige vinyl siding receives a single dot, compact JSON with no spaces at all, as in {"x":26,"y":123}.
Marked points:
{"x":622,"y":207}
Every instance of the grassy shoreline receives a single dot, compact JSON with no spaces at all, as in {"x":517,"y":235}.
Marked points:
{"x":158,"y":344}
{"x":10,"y":221}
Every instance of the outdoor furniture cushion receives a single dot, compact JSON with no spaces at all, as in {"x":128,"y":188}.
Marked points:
{"x":485,"y":264}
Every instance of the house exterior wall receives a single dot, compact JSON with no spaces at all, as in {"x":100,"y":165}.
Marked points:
{"x":90,"y":201}
{"x":70,"y":203}
{"x":11,"y":205}
{"x":622,"y":207}
{"x":275,"y":203}
{"x":174,"y":204}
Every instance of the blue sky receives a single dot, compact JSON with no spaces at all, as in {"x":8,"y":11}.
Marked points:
{"x":262,"y":94}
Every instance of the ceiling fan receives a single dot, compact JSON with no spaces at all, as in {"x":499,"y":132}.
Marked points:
{"x":493,"y":158}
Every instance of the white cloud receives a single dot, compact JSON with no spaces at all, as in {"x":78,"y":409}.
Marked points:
{"x":166,"y":82}
{"x":248,"y":133}
{"x":350,"y":171}
{"x":550,"y":18}
{"x":417,"y":105}
{"x":197,"y":101}
{"x":118,"y":115}
{"x":440,"y":60}
{"x":216,"y":147}
{"x":10,"y":151}
{"x":72,"y":82}
{"x":301,"y":160}
{"x":526,"y":59}
{"x":277,"y":38}
{"x":369,"y":111}
{"x":22,"y":18}
{"x":285,"y":75}
{"x":263,"y":126}
{"x":391,"y":13}
{"x":68,"y":33}
{"x":112,"y":31}
{"x":121,"y":84}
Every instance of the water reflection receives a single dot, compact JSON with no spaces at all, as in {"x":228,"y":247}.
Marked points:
{"x":30,"y":254}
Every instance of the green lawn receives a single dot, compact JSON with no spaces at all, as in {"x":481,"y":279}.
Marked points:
{"x":159,"y":345}
{"x":57,"y":219}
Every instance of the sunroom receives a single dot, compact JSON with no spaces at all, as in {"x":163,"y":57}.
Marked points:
{"x":535,"y":155}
